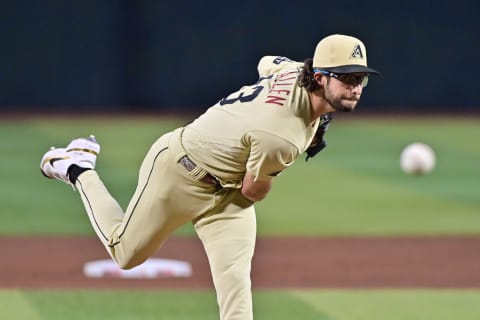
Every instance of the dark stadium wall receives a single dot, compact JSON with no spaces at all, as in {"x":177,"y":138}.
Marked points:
{"x":156,"y":55}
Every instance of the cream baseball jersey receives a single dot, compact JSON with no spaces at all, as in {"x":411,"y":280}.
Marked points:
{"x":260,"y":129}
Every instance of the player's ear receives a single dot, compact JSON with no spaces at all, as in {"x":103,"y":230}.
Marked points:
{"x":318,"y":78}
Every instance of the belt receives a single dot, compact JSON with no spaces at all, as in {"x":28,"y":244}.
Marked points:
{"x":188,"y":164}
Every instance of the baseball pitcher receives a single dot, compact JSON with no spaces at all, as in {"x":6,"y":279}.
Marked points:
{"x":213,"y":170}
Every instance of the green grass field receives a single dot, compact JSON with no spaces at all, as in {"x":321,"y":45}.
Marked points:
{"x":354,"y":187}
{"x":269,"y":305}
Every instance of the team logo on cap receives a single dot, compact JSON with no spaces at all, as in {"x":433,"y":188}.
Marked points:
{"x":357,"y":52}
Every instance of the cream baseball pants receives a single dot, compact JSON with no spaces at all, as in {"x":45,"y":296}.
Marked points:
{"x":168,"y":196}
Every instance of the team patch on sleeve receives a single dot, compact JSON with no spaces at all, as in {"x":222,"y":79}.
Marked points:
{"x":279,"y":60}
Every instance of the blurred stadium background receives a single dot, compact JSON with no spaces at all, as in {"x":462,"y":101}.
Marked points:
{"x":175,"y":56}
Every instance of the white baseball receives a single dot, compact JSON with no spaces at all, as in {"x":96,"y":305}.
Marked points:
{"x":417,"y":159}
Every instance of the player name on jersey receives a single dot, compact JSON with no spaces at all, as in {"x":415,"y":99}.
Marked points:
{"x":281,"y":87}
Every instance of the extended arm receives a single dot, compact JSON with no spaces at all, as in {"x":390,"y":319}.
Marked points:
{"x":255,"y":190}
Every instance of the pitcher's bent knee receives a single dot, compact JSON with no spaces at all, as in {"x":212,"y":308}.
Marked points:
{"x":129,"y":261}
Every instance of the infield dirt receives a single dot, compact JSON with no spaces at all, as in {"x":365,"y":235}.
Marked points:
{"x":365,"y":262}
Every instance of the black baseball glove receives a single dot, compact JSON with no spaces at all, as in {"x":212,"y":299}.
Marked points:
{"x":318,"y":142}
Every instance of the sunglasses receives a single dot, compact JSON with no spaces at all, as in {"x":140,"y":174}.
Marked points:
{"x":347,"y":78}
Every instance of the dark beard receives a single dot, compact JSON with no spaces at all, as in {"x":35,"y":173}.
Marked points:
{"x":338,"y":106}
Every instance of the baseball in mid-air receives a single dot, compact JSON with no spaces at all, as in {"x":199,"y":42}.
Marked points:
{"x":417,"y":159}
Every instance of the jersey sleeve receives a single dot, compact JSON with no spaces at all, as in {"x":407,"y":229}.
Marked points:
{"x":269,"y":155}
{"x":272,"y":64}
